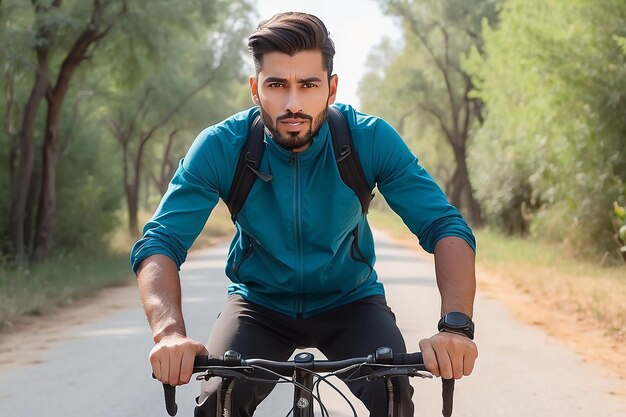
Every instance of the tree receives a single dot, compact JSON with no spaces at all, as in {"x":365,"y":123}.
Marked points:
{"x":150,"y":103}
{"x":104,"y":15}
{"x":434,"y":88}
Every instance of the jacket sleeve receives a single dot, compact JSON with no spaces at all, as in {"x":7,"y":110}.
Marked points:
{"x":191,"y":196}
{"x":412,"y":193}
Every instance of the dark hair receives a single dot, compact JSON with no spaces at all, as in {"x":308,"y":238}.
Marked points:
{"x":290,"y":33}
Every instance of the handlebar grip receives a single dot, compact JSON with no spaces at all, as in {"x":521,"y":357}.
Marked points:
{"x":447,"y":395}
{"x":169,"y":391}
{"x":200,"y":361}
{"x":408,"y":359}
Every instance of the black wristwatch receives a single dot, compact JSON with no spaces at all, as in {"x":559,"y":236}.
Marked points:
{"x":456,"y":322}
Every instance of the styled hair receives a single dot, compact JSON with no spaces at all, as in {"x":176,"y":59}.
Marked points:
{"x":290,"y":33}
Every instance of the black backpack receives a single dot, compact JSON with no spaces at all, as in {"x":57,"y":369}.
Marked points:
{"x":347,"y":161}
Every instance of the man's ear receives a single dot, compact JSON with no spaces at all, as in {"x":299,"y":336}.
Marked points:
{"x":332,"y":93}
{"x":254,"y":89}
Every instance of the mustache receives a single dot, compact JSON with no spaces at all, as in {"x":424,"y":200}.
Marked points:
{"x":290,"y":115}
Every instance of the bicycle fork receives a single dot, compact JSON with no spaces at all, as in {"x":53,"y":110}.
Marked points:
{"x":393,"y":400}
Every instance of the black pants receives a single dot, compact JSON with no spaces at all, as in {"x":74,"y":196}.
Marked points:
{"x":356,"y":329}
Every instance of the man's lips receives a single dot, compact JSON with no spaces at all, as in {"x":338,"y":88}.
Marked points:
{"x":293,"y":122}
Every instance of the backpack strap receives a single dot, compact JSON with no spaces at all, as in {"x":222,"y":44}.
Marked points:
{"x":247,"y":169}
{"x":347,"y":159}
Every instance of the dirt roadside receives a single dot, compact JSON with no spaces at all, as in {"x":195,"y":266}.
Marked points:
{"x":27,"y":340}
{"x":607,"y":353}
{"x":593,"y":344}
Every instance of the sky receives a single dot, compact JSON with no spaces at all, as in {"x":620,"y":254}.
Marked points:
{"x":354,"y":25}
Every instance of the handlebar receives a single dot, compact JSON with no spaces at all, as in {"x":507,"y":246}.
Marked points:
{"x":233,"y":359}
{"x":382,"y":356}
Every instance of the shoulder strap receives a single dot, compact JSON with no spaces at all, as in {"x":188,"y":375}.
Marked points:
{"x":347,"y":159}
{"x":247,"y":168}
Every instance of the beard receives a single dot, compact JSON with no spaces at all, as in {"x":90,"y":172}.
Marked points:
{"x":294,"y":140}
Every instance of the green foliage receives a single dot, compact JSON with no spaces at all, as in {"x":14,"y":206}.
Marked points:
{"x":159,"y":50}
{"x":88,"y":203}
{"x":621,"y":41}
{"x":553,"y":79}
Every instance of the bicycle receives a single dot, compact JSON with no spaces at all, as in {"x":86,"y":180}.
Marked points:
{"x":305,"y":373}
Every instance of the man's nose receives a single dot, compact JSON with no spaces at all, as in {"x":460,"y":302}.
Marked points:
{"x":294,"y":102}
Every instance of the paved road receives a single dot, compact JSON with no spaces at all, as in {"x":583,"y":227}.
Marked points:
{"x":99,"y":368}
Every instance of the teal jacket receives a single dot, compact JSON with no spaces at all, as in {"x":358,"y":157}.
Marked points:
{"x":302,"y":244}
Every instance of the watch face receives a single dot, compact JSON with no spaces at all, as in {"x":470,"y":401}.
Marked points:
{"x":457,"y":320}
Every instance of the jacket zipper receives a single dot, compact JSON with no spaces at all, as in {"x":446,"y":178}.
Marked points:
{"x":245,"y":257}
{"x":297,"y":231}
{"x":357,"y":249}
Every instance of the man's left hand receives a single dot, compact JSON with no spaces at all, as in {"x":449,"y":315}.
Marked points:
{"x":449,"y":355}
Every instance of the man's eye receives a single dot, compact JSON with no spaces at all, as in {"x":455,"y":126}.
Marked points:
{"x":308,"y":85}
{"x":275,"y":85}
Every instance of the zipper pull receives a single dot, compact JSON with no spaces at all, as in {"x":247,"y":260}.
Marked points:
{"x":294,"y":155}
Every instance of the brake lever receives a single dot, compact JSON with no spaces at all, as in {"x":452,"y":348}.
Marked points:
{"x":410,"y":372}
{"x":224,"y":373}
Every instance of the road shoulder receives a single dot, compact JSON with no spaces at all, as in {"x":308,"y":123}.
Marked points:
{"x":26,"y":342}
{"x":595,"y":346}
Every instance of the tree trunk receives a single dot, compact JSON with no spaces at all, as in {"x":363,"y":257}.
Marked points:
{"x":461,"y":193}
{"x":168,"y":167}
{"x":22,"y":181}
{"x":10,"y":109}
{"x":131,"y":190}
{"x":131,"y":185}
{"x":46,"y":208}
{"x":132,"y":198}
{"x":29,"y":215}
{"x":132,"y":193}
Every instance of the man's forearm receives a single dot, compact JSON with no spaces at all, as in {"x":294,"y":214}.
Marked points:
{"x":456,"y":278}
{"x":159,"y":286}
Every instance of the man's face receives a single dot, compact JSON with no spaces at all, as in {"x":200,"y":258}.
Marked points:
{"x":293,"y":93}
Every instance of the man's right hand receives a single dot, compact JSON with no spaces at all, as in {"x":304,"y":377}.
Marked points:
{"x":172,"y":359}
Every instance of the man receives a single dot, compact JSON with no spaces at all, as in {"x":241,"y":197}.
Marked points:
{"x":301,"y":261}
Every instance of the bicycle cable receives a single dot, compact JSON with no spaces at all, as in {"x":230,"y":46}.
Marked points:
{"x":323,"y":378}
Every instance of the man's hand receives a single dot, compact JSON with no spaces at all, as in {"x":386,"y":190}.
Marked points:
{"x":449,"y":355}
{"x":172,"y":359}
